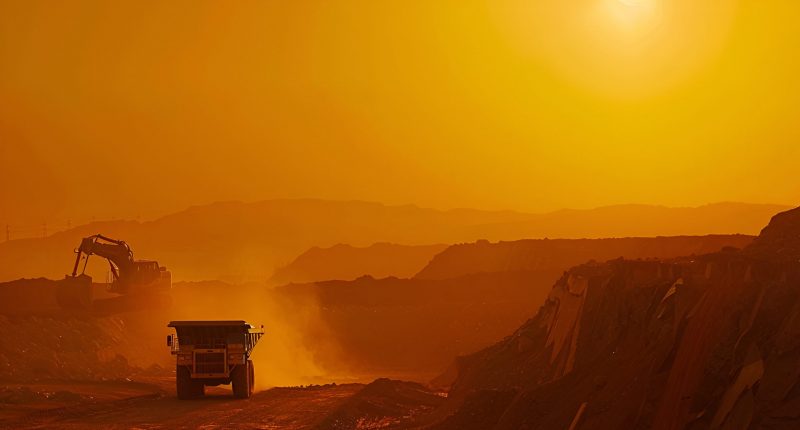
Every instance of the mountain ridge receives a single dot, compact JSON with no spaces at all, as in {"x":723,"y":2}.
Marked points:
{"x":240,"y":242}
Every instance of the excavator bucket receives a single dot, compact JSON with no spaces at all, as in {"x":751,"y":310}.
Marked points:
{"x":75,"y":292}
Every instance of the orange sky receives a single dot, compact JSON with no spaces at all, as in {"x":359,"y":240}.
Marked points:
{"x":124,"y":109}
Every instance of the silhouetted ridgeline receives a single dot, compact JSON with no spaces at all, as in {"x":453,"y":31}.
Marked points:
{"x":238,"y":242}
{"x":346,"y":262}
{"x":561,"y":254}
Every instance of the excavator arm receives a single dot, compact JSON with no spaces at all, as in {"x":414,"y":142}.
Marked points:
{"x":117,"y":252}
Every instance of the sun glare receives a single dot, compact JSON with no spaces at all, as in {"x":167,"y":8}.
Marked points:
{"x":636,"y":16}
{"x":625,"y":49}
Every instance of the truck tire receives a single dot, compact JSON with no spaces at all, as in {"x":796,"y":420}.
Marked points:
{"x":251,"y":375}
{"x":183,"y":382}
{"x":187,"y":387}
{"x":240,"y":378}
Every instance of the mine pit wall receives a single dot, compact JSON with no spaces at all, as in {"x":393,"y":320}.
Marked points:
{"x":711,"y":341}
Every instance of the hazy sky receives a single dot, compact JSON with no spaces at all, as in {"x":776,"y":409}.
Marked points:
{"x":139,"y":108}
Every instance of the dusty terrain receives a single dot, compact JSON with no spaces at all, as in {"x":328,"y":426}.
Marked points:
{"x":152,"y":405}
{"x":344,"y":331}
{"x":700,"y":340}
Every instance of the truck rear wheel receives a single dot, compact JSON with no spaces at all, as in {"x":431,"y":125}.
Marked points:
{"x":183,"y":382}
{"x":251,"y":375}
{"x":240,"y":378}
{"x":187,"y":387}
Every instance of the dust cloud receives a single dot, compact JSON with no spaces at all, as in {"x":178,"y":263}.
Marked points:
{"x":282,"y":356}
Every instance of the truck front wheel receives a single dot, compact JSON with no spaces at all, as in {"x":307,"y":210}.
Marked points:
{"x":187,"y":387}
{"x":240,"y":378}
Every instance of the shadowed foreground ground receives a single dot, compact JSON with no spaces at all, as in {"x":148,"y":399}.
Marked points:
{"x":152,"y":404}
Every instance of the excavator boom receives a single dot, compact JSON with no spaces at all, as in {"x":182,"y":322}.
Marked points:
{"x":117,"y":252}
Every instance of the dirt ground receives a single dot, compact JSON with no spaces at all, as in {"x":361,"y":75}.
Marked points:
{"x":151,"y":404}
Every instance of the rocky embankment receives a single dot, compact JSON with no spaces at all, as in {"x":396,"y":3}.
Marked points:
{"x":701,"y":342}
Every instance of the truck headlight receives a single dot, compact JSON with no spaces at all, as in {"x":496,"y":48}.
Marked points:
{"x":184,"y":358}
{"x":236,"y":358}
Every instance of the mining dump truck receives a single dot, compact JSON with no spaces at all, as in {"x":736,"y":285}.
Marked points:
{"x":213,"y":353}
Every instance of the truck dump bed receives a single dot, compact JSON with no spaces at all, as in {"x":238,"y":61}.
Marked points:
{"x":213,"y":353}
{"x":216,"y":334}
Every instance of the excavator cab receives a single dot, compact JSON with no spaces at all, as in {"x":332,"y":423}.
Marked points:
{"x":144,"y":274}
{"x":129,"y":277}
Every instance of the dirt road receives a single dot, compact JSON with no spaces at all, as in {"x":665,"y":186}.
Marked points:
{"x":152,"y":405}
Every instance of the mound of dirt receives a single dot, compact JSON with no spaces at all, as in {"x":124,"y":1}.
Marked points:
{"x":37,"y":348}
{"x":345,"y":262}
{"x":28,"y":297}
{"x":383,"y":403}
{"x":701,"y":342}
{"x":40,"y":340}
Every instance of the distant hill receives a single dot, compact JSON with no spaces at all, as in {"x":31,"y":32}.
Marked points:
{"x":237,"y":242}
{"x":638,"y":221}
{"x":346,"y":262}
{"x":561,"y":254}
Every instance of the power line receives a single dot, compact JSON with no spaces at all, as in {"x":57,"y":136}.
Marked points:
{"x":43,"y":229}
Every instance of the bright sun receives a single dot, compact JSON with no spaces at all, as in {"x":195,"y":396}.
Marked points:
{"x":633,"y":15}
{"x":623,"y":48}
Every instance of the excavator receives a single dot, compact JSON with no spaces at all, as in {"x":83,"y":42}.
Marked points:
{"x":139,"y":283}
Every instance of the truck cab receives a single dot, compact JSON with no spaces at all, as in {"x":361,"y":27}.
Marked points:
{"x":213,"y":353}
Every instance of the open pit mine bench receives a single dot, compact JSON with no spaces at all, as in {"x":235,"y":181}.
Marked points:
{"x":213,"y":353}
